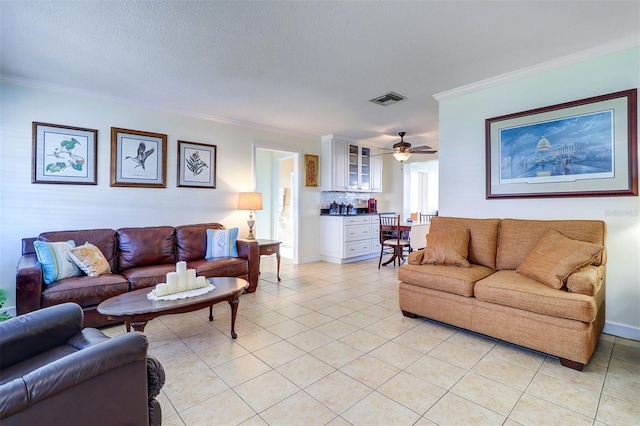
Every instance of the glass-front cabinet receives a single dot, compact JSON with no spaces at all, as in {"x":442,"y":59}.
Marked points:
{"x":348,"y":166}
{"x":359,"y":168}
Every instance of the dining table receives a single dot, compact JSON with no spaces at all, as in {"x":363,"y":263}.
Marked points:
{"x":417,"y":238}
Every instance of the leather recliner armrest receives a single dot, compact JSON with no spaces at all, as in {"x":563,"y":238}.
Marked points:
{"x":84,"y":365}
{"x":36,"y":332}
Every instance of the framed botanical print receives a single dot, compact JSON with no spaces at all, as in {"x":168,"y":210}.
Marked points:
{"x":196,"y":165}
{"x":64,"y":154}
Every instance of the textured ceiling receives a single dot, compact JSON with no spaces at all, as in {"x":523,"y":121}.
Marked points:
{"x":303,"y":67}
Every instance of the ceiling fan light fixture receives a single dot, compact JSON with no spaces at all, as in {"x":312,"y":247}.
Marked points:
{"x":402,"y":156}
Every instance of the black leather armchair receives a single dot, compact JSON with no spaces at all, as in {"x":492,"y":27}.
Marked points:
{"x":54,"y":372}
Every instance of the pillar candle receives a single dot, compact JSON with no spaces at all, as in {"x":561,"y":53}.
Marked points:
{"x":201,"y":282}
{"x":191,"y":279}
{"x":161,"y":289}
{"x":172,"y":282}
{"x":181,"y":270}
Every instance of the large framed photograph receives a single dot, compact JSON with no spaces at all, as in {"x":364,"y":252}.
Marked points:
{"x":583,"y":148}
{"x":196,"y":165}
{"x":64,"y":154}
{"x":311,"y":170}
{"x":138,"y":158}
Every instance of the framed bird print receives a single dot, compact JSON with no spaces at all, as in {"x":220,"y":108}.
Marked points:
{"x":64,"y":154}
{"x":196,"y":165}
{"x":138,"y":158}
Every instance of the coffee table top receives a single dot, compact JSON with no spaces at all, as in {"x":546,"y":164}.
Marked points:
{"x":136,"y":302}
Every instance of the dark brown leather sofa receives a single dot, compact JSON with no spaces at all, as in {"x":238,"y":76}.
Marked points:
{"x":53,"y":372}
{"x":139,"y":257}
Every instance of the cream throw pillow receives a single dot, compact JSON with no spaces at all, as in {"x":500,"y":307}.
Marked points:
{"x":555,"y":257}
{"x":447,"y":247}
{"x":90,"y":259}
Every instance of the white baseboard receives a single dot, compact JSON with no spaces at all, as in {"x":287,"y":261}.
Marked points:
{"x":621,"y":330}
{"x":310,"y":259}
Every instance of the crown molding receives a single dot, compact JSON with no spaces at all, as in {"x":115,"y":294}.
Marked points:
{"x":595,"y":52}
{"x":58,"y":88}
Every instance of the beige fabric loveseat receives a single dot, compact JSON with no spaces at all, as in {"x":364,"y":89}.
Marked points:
{"x":538,"y":284}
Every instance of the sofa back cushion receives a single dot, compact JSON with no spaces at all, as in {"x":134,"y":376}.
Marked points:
{"x":483,"y":237}
{"x":104,"y":239}
{"x":518,"y":237}
{"x":146,"y":246}
{"x":191,"y":240}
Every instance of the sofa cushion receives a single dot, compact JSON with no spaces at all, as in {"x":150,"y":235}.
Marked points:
{"x":518,"y":237}
{"x":447,"y":247}
{"x":55,"y":263}
{"x":85,"y":291}
{"x":451,"y":279}
{"x":509,"y":288}
{"x":586,"y":280}
{"x":221,"y":267}
{"x":555,"y":256}
{"x":146,"y":246}
{"x":222,"y":243}
{"x":191,"y":240}
{"x":483,"y":237}
{"x":104,"y":239}
{"x":90,"y":259}
{"x":148,"y":276}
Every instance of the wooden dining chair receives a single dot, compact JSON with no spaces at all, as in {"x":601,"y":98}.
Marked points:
{"x":391,"y":241}
{"x":426,"y":218}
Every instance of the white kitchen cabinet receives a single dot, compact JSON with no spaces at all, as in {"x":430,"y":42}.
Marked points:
{"x":333,"y":164}
{"x":349,"y":166}
{"x":349,"y":238}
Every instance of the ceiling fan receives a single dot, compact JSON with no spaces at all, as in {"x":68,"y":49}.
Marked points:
{"x":402,"y":150}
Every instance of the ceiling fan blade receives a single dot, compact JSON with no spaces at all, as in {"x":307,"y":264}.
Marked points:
{"x":432,"y":151}
{"x":421,"y":148}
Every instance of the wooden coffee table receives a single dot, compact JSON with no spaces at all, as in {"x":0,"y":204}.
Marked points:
{"x":135,"y":309}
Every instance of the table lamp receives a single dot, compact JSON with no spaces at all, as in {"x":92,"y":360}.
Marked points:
{"x":250,"y":201}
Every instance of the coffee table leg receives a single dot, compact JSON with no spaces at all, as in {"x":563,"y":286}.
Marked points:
{"x":234,"y":311}
{"x":211,"y":313}
{"x":127,"y":326}
{"x":138,"y":325}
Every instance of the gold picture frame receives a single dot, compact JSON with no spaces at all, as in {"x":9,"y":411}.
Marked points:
{"x":311,"y":169}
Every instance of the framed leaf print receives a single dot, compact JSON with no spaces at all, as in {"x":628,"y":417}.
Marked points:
{"x":196,"y":165}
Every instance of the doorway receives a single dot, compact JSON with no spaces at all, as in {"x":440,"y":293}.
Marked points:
{"x":423,"y":187}
{"x":277,"y":180}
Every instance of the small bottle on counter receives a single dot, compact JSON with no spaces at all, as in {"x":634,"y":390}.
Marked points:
{"x":343,"y":208}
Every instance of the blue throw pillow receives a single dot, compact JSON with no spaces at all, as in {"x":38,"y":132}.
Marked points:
{"x":55,"y":263}
{"x":221,"y":243}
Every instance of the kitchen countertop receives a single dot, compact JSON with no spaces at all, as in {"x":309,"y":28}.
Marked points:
{"x":356,"y":214}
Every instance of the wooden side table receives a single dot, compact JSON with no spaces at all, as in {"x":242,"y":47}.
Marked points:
{"x":269,"y":247}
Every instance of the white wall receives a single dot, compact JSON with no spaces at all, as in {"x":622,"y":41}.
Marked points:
{"x":28,"y":209}
{"x":462,"y":169}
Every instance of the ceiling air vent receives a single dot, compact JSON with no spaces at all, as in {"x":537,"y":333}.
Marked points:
{"x":388,"y":98}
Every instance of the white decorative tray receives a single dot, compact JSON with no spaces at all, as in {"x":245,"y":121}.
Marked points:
{"x":181,"y":295}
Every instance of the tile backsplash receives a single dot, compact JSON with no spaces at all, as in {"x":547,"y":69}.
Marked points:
{"x":356,"y":199}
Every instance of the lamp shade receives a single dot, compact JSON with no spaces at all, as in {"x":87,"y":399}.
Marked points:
{"x":250,"y":201}
{"x":402,"y":156}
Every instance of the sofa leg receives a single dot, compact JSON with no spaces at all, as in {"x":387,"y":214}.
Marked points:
{"x":409,"y":314}
{"x":575,"y":365}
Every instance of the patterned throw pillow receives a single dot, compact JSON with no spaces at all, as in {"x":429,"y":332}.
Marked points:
{"x":55,"y":263}
{"x":221,"y":243}
{"x":90,"y":259}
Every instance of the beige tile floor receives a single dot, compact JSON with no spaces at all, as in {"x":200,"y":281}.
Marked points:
{"x":329,"y":346}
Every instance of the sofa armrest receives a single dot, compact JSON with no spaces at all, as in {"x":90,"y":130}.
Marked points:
{"x":586,"y":280}
{"x":28,"y":335}
{"x":250,"y":250}
{"x":29,"y":282}
{"x":415,"y":258}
